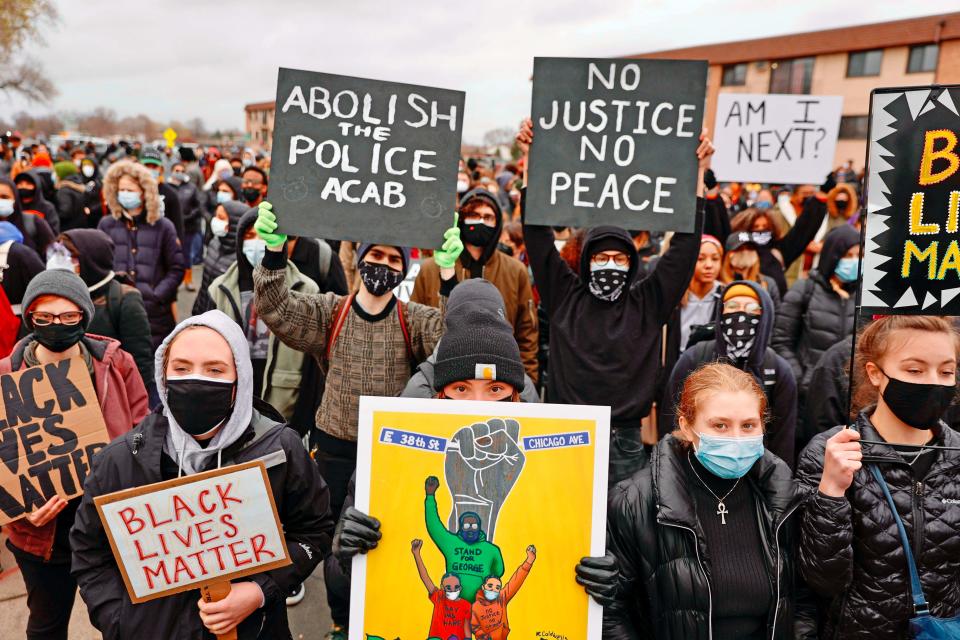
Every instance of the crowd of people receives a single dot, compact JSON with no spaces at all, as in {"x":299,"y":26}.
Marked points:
{"x":755,"y":489}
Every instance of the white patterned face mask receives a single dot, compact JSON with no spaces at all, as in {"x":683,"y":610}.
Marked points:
{"x":608,"y":281}
{"x":739,"y":330}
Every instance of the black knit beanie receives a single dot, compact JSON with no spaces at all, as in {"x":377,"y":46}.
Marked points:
{"x":478,"y":342}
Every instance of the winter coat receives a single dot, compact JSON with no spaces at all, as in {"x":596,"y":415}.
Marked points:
{"x":221,"y":252}
{"x":37,"y":234}
{"x":191,"y":208}
{"x":72,"y":202}
{"x":135,"y":460}
{"x":778,"y":381}
{"x":850,"y":551}
{"x":306,"y":256}
{"x":792,"y":245}
{"x":171,"y":207}
{"x":22,"y":264}
{"x":41,"y":203}
{"x":123,"y":401}
{"x":827,"y":402}
{"x":608,"y":353}
{"x":813,"y":316}
{"x":658,"y":541}
{"x":420,"y":384}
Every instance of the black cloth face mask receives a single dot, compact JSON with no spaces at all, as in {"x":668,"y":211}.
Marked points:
{"x":59,"y":337}
{"x":919,"y":405}
{"x":250,"y":194}
{"x":477,"y":234}
{"x":739,"y":330}
{"x":199,"y":404}
{"x":379,"y":278}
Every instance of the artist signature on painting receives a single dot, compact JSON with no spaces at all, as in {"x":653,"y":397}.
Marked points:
{"x":551,"y":634}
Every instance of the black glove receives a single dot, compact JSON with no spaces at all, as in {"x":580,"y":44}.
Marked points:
{"x":600,"y":578}
{"x":829,"y":183}
{"x":709,"y":179}
{"x":356,"y":533}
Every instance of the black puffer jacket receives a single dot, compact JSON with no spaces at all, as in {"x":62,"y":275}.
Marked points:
{"x":850,"y":550}
{"x":653,"y":531}
{"x":813,"y":316}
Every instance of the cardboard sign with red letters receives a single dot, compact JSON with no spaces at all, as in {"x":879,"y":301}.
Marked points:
{"x":194,"y":531}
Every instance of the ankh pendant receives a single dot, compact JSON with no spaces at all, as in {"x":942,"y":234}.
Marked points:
{"x":722,"y":512}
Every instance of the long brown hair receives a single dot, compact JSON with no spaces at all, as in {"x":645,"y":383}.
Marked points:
{"x":873,"y":342}
{"x":726,"y":275}
{"x":714,"y":378}
{"x":744,"y":220}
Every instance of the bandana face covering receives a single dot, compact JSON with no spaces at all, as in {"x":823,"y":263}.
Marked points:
{"x":607,"y":282}
{"x":379,"y":279}
{"x":739,"y":330}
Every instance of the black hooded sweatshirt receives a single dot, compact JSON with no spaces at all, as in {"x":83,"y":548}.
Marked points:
{"x":476,"y":266}
{"x":40,"y":203}
{"x":39,"y":235}
{"x":220,"y":253}
{"x":608,"y":353}
{"x":771,"y":372}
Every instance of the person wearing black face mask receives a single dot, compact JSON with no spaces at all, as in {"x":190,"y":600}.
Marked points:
{"x":58,"y":310}
{"x":905,"y":377}
{"x":254,"y":184}
{"x":481,"y":228}
{"x":210,"y":418}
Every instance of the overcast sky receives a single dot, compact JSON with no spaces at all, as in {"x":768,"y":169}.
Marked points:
{"x":179,"y":59}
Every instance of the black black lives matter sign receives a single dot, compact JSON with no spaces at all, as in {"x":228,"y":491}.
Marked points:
{"x":615,"y":142}
{"x":364,"y":160}
{"x":50,"y":430}
{"x":911,"y":257}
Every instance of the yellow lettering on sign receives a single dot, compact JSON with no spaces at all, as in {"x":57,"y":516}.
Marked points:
{"x":951,"y":260}
{"x":927,"y":174}
{"x":917,"y":226}
{"x":911,"y":250}
{"x":953,"y":206}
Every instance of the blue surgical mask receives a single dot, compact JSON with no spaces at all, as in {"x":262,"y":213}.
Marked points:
{"x":223,"y":196}
{"x":491,"y":595}
{"x":179,"y":176}
{"x":6,"y":208}
{"x":254,"y":249}
{"x":846,"y":269}
{"x":729,"y":458}
{"x":763,"y":205}
{"x":129,"y":200}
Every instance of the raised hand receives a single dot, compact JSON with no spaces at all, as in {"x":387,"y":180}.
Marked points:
{"x":430,"y":485}
{"x":483,"y":462}
{"x":416,"y":545}
{"x":266,"y":225}
{"x":446,"y":256}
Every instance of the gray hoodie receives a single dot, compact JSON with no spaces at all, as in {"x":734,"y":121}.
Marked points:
{"x":180,"y":445}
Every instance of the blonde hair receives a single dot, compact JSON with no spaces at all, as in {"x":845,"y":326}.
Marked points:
{"x":710,"y":379}
{"x":726,"y":275}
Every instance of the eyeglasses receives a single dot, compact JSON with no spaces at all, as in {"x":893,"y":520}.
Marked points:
{"x":732,"y":306}
{"x":602,"y":259}
{"x":42,"y":318}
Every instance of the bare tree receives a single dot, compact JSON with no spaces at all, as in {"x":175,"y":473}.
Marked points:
{"x":21,"y":22}
{"x":32,"y":125}
{"x":99,"y":122}
{"x":197,"y":127}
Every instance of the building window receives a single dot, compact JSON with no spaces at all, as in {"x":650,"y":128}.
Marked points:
{"x":923,"y":58}
{"x":791,"y":76}
{"x":853,"y":127}
{"x":864,"y":63}
{"x":734,"y":75}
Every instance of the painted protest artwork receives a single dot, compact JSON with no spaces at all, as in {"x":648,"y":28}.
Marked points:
{"x":480,"y":537}
{"x":615,"y":142}
{"x":194,"y":531}
{"x":786,"y":139}
{"x":364,"y":160}
{"x":49,"y":432}
{"x":911,"y":260}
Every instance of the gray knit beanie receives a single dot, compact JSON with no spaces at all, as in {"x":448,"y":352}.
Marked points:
{"x":478,"y":342}
{"x":62,"y":283}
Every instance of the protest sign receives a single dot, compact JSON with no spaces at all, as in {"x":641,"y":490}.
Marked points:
{"x":50,"y":430}
{"x":911,"y":256}
{"x":776,"y":138}
{"x":615,"y":142}
{"x":511,"y":490}
{"x":194,"y":531}
{"x":364,"y":160}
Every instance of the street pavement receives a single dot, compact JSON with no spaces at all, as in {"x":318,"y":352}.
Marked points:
{"x":309,"y":620}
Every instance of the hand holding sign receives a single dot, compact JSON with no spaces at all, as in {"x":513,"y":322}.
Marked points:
{"x":266,"y":226}
{"x":841,"y":460}
{"x":446,"y":256}
{"x":221,"y":617}
{"x":47,"y":512}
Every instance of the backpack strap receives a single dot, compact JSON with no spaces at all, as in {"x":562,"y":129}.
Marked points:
{"x":325,"y":256}
{"x":114,"y":302}
{"x":339,"y":318}
{"x":402,"y":315}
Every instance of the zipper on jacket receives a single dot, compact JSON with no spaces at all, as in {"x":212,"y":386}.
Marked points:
{"x":916,"y":503}
{"x":696,"y":550}
{"x":776,"y":547}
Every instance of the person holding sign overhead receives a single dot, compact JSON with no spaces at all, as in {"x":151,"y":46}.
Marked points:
{"x":605,"y":336}
{"x":851,"y":547}
{"x":210,"y":419}
{"x":58,"y":309}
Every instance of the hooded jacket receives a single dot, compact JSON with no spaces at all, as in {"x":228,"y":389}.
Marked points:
{"x":507,"y":274}
{"x":123,"y":401}
{"x":71,"y":202}
{"x":283,"y":375}
{"x":771,"y":372}
{"x":22,"y":264}
{"x":37,"y":234}
{"x":144,"y":457}
{"x":655,"y":535}
{"x":147,"y":250}
{"x":221,"y":252}
{"x":608,"y":353}
{"x":191,"y":209}
{"x":813,"y":316}
{"x":792,"y":245}
{"x":850,"y":551}
{"x":40,"y":204}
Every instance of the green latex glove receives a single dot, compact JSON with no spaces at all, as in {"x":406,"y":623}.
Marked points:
{"x":266,"y":224}
{"x":446,"y":257}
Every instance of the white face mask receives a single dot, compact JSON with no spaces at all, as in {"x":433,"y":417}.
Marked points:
{"x":6,"y":208}
{"x":452,"y":595}
{"x":87,"y":170}
{"x":462,"y":186}
{"x":218,"y":227}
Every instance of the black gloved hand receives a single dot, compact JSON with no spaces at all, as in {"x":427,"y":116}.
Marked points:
{"x":709,"y":179}
{"x":600,"y":578}
{"x":356,"y":533}
{"x":829,"y":183}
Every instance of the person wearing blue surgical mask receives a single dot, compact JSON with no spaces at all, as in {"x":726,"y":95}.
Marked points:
{"x":714,"y":494}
